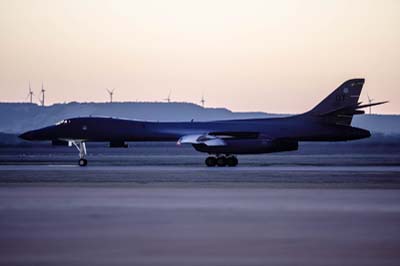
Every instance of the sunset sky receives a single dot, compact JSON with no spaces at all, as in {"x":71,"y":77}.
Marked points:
{"x":273,"y":56}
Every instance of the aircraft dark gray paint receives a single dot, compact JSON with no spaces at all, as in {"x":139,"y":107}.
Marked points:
{"x":330,"y":120}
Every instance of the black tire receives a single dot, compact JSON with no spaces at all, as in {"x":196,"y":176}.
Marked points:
{"x":211,"y":161}
{"x":82,"y":162}
{"x":232,"y":161}
{"x":221,"y":161}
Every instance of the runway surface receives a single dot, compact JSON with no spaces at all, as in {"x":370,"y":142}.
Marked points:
{"x":72,"y":225}
{"x":159,"y":205}
{"x":278,"y":175}
{"x":177,"y":168}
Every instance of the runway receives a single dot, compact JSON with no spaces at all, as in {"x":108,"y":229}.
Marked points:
{"x":161,"y":206}
{"x":278,"y":176}
{"x":178,"y":168}
{"x":73,"y":225}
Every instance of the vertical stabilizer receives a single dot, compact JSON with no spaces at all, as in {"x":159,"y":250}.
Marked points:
{"x":340,"y":106}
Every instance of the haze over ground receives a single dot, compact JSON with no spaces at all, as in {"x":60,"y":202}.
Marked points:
{"x":271,"y":56}
{"x":16,"y":118}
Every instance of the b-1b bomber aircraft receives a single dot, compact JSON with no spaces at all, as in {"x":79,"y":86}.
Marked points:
{"x":330,"y":120}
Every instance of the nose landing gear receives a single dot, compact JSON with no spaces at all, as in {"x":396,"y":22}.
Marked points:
{"x":80,"y":145}
{"x":82,"y":162}
{"x":222,"y":161}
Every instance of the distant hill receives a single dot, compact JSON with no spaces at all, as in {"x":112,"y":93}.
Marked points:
{"x":19,"y":117}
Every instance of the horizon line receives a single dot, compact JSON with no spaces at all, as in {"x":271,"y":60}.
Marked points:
{"x":175,"y":102}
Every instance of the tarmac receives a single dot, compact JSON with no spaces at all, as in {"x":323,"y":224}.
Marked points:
{"x":169,"y":209}
{"x":285,"y":176}
{"x":114,"y":225}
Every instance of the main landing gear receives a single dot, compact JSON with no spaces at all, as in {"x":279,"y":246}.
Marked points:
{"x":221,"y":161}
{"x":80,"y":145}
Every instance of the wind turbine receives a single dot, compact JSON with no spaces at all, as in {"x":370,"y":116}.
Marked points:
{"x":42,"y":91}
{"x":202,"y":100}
{"x":30,"y":93}
{"x":369,"y":101}
{"x":168,"y":99}
{"x":111,"y":92}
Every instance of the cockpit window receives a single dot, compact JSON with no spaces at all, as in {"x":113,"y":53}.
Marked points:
{"x":63,"y":122}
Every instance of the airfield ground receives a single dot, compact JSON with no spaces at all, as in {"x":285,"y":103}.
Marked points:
{"x":158,"y":205}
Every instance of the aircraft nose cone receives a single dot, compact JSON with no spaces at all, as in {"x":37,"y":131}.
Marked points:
{"x":26,"y":136}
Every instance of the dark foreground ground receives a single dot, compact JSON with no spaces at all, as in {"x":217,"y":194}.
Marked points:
{"x":158,"y":205}
{"x":70,"y":225}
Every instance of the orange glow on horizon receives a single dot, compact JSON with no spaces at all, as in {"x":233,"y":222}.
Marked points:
{"x":271,"y":56}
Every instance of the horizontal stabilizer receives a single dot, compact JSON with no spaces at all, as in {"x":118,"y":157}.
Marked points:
{"x":351,"y":110}
{"x":371,"y":104}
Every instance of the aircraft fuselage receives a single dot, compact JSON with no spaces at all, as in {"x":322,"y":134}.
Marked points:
{"x":330,"y":120}
{"x":99,"y":129}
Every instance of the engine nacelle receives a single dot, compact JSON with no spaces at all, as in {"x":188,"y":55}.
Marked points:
{"x":249,"y":146}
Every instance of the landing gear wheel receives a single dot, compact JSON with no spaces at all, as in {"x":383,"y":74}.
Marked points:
{"x":232,"y":161}
{"x":221,"y":161}
{"x":82,"y":162}
{"x":211,"y":161}
{"x":81,"y":147}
